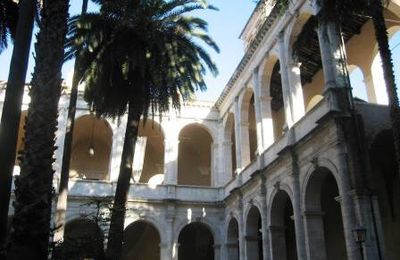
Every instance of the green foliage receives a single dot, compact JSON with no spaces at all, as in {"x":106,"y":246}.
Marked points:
{"x":8,"y":22}
{"x":141,"y":52}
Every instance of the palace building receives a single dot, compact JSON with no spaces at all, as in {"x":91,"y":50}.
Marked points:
{"x":288,"y":163}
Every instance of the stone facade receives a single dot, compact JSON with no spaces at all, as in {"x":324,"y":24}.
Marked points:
{"x":284,"y":176}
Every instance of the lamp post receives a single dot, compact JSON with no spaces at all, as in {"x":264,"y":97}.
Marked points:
{"x":359,"y":234}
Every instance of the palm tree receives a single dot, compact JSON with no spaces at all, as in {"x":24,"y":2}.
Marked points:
{"x":8,"y":22}
{"x":63,"y":186}
{"x":139,"y":56}
{"x":13,"y":99}
{"x":33,"y":194}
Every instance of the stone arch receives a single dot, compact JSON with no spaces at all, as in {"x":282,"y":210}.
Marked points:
{"x":232,"y":240}
{"x":196,"y":241}
{"x":142,"y":241}
{"x":248,"y":126}
{"x":149,"y":153}
{"x":83,"y":238}
{"x":282,"y":230}
{"x":195,"y":156}
{"x":295,"y":28}
{"x":230,"y":139}
{"x":254,"y":242}
{"x":91,"y":148}
{"x":323,"y":216}
{"x":386,"y":181}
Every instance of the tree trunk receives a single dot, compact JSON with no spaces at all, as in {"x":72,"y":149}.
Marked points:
{"x":63,"y":188}
{"x":11,"y":110}
{"x":34,"y":189}
{"x":387,"y":65}
{"x":114,"y":245}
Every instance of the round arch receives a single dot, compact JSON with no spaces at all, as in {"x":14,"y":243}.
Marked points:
{"x":196,"y":241}
{"x":254,"y":242}
{"x":91,"y":148}
{"x":232,"y":240}
{"x":323,"y":216}
{"x":282,"y":229}
{"x":83,"y":238}
{"x":141,"y":241}
{"x":195,"y":156}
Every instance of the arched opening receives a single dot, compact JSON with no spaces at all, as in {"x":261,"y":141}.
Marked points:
{"x":83,"y":239}
{"x":91,"y":148}
{"x":194,"y":157}
{"x":387,"y":184}
{"x":233,"y":240}
{"x":254,"y":243}
{"x":196,"y":242}
{"x":357,"y":82}
{"x":141,"y":242}
{"x":278,"y":112}
{"x":20,"y":140}
{"x":231,"y":138}
{"x":148,"y":164}
{"x":377,"y":70}
{"x":323,"y":216}
{"x":282,"y":229}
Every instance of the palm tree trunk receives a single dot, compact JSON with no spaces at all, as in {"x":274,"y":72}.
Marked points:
{"x":114,"y":245}
{"x":33,"y":194}
{"x":11,"y":110}
{"x":387,"y":65}
{"x":63,"y":188}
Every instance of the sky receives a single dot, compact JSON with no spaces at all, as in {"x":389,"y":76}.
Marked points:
{"x":224,"y":27}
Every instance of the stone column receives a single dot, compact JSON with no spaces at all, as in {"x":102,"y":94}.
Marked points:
{"x":239,"y":163}
{"x":315,"y":238}
{"x":242,"y":234}
{"x":257,"y":108}
{"x":227,"y":154}
{"x":277,"y":242}
{"x":116,"y":150}
{"x":283,"y":61}
{"x":267,"y":122}
{"x":171,"y":161}
{"x":347,"y":207}
{"x":264,"y":221}
{"x":328,"y":66}
{"x":298,"y":221}
{"x":296,"y":90}
{"x":216,"y":175}
{"x":369,"y":83}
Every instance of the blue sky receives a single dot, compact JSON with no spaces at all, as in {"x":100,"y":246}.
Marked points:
{"x":225,"y":26}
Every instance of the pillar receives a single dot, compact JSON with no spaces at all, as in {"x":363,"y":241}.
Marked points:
{"x":285,"y":81}
{"x":239,"y":163}
{"x":267,"y":122}
{"x":227,"y":172}
{"x":298,"y":221}
{"x":257,"y":108}
{"x":347,"y":207}
{"x":171,"y":161}
{"x":264,"y":226}
{"x":296,"y":90}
